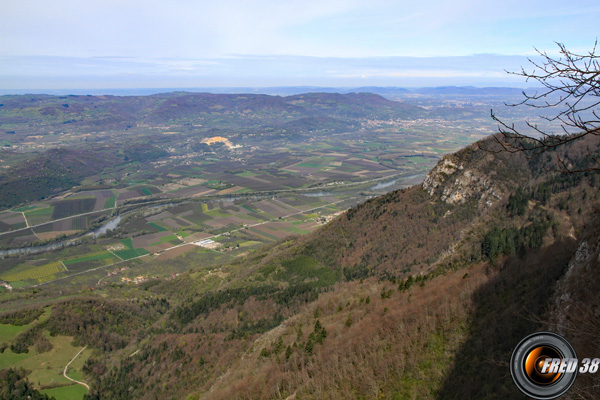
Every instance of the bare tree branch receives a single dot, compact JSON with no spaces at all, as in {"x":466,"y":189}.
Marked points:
{"x":571,"y":90}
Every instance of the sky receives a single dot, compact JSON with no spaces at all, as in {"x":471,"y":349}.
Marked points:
{"x":250,"y":43}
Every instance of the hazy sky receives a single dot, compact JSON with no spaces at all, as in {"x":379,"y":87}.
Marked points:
{"x":185,"y":43}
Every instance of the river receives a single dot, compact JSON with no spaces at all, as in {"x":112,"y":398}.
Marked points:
{"x":110,"y":225}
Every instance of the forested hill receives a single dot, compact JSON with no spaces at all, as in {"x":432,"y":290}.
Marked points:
{"x":415,"y":294}
{"x":85,"y":114}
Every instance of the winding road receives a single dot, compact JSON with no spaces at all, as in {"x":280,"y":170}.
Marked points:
{"x":67,"y":366}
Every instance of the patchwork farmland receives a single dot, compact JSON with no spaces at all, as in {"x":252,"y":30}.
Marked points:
{"x":239,"y":199}
{"x":167,"y":231}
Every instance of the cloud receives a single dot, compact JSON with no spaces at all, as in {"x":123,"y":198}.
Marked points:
{"x":274,"y":42}
{"x":259,"y":70}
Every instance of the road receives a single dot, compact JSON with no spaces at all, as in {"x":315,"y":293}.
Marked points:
{"x":185,"y":244}
{"x":397,"y":176}
{"x":213,"y":196}
{"x":55,"y":220}
{"x":67,"y":366}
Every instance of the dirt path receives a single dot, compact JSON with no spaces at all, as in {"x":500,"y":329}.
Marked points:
{"x":67,"y":366}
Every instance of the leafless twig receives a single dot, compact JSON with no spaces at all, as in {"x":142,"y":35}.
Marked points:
{"x":571,"y":89}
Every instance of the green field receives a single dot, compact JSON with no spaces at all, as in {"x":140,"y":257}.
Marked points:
{"x":216,"y":213}
{"x":131,"y":253}
{"x":81,"y":196}
{"x":250,"y":243}
{"x":7,"y":332}
{"x":315,"y":164}
{"x":249,"y":209}
{"x":110,"y":202}
{"x":293,"y":229}
{"x":39,"y":215}
{"x":265,"y":234}
{"x":91,"y":257}
{"x":247,"y":173}
{"x":10,"y":359}
{"x":165,"y":240}
{"x":158,"y":227}
{"x":25,"y":208}
{"x":127,"y":243}
{"x":40,"y":273}
{"x":72,"y":392}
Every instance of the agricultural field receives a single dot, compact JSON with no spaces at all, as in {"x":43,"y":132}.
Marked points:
{"x":39,"y":215}
{"x":263,"y":186}
{"x":339,"y":160}
{"x":33,"y":273}
{"x":11,"y":220}
{"x":235,"y":226}
{"x":230,"y":207}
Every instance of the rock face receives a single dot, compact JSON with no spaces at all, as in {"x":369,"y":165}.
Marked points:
{"x":457,"y":178}
{"x":438,"y":175}
{"x":578,"y":288}
{"x":575,"y":307}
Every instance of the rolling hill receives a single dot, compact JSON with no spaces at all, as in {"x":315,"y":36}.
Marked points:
{"x":43,"y":114}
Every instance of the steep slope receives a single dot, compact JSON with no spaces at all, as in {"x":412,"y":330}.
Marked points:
{"x":410,"y":230}
{"x":575,"y":306}
{"x":415,"y":294}
{"x":464,"y":315}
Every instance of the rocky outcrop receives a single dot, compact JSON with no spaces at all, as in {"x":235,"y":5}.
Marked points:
{"x":579,"y":286}
{"x":575,"y":307}
{"x":456,"y":179}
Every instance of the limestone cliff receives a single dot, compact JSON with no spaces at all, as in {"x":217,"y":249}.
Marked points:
{"x":473,"y":174}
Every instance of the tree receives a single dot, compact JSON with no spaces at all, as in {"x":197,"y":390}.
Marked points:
{"x":571,"y":92}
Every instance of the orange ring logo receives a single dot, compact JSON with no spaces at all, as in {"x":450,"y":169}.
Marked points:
{"x":544,"y":366}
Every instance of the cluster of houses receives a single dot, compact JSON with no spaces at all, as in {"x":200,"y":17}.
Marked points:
{"x":137,"y":280}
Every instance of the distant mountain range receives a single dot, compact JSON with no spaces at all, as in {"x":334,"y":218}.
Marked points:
{"x":387,"y":91}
